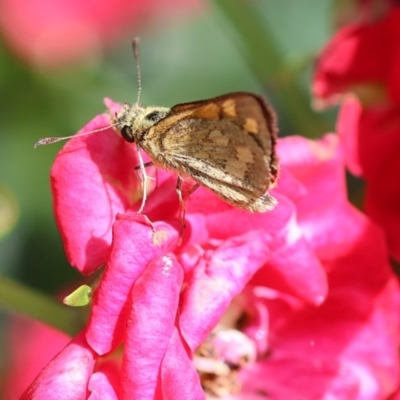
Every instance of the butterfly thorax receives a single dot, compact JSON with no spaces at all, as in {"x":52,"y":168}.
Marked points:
{"x":133,"y":120}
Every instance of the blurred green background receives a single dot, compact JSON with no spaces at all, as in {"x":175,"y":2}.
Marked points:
{"x":266,"y":47}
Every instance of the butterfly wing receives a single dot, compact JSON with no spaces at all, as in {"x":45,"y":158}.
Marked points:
{"x":226,"y":144}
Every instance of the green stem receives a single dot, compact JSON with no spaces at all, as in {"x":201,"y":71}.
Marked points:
{"x":18,"y":298}
{"x":266,"y":61}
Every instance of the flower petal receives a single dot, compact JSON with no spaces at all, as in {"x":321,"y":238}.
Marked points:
{"x":178,"y":376}
{"x":67,"y":375}
{"x":134,"y":246}
{"x":346,"y":347}
{"x":89,"y":189}
{"x":155,"y":300}
{"x":33,"y":341}
{"x":294,"y":269}
{"x":362,"y":57}
{"x":285,"y":240}
{"x":374,"y":134}
{"x":105,"y":383}
{"x":216,"y":280}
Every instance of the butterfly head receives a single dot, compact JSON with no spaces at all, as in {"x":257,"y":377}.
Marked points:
{"x":132,"y":120}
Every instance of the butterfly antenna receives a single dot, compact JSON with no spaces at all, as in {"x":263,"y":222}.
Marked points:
{"x":135,"y":46}
{"x":55,"y":139}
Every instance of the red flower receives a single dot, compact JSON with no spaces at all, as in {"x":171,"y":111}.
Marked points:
{"x":162,"y":301}
{"x":51,"y":33}
{"x":362,"y":58}
{"x":365,"y":59}
{"x":372,"y":139}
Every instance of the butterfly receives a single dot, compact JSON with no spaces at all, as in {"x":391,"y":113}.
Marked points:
{"x":226,"y":143}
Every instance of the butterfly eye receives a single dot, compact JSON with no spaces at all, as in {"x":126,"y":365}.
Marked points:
{"x":127,"y":134}
{"x":155,"y":116}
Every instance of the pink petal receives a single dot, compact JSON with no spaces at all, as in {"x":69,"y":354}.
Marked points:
{"x":112,"y":106}
{"x":105,"y":383}
{"x":134,"y":246}
{"x":294,"y":269}
{"x":223,"y":221}
{"x":163,"y":202}
{"x":333,"y":352}
{"x":178,"y":376}
{"x":345,"y":348}
{"x":237,"y":222}
{"x":89,"y":189}
{"x":366,"y":263}
{"x":196,"y":231}
{"x":216,"y":280}
{"x":67,"y":375}
{"x":285,"y":240}
{"x":233,"y":347}
{"x":155,"y":299}
{"x":33,"y":341}
{"x":206,"y":202}
{"x":288,"y":186}
{"x":319,"y":167}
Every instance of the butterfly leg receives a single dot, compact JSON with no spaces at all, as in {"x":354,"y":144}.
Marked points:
{"x":182,"y":209}
{"x":148,"y":221}
{"x":149,"y":164}
{"x":145,"y":178}
{"x":182,"y":204}
{"x":145,"y":165}
{"x":142,"y":166}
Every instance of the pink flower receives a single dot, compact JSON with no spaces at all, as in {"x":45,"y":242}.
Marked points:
{"x":347,"y":347}
{"x":52,"y":34}
{"x":161,"y":300}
